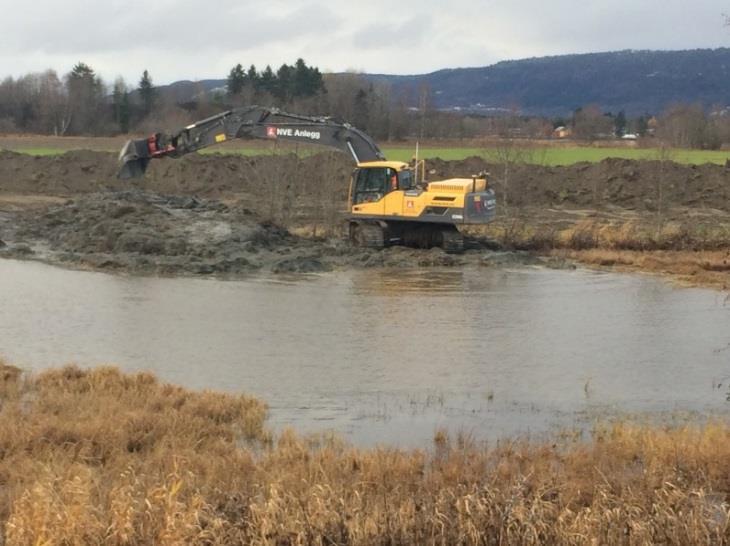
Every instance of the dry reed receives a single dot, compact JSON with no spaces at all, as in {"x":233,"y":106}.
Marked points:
{"x":98,"y":456}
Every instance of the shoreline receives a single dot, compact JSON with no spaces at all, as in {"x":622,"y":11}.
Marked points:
{"x":96,"y":455}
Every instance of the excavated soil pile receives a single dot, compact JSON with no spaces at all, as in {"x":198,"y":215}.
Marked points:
{"x":142,"y":232}
{"x":639,"y":185}
{"x":631,"y":184}
{"x":212,"y":175}
{"x":138,"y":230}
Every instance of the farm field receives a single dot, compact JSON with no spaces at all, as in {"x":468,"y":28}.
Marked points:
{"x":551,"y":154}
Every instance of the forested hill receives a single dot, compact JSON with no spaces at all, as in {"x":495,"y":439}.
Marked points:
{"x":637,"y":82}
{"x":634,"y":81}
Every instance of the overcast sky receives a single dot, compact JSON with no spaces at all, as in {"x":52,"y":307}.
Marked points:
{"x":181,"y":39}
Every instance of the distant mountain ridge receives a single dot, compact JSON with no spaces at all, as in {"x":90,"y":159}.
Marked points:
{"x":634,"y":81}
{"x":637,"y":82}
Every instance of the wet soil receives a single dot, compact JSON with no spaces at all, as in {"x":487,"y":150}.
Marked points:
{"x":233,"y":215}
{"x":142,"y":232}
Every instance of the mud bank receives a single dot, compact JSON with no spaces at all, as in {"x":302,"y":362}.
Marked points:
{"x":141,"y":232}
{"x":630,"y":184}
{"x":232,"y":214}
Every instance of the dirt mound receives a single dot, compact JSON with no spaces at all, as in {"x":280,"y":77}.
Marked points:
{"x":206,"y":175}
{"x":138,"y":231}
{"x":265,"y":182}
{"x":142,"y":232}
{"x":632,"y":184}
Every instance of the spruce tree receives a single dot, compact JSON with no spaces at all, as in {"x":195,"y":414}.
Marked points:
{"x":147,"y":93}
{"x":236,"y":80}
{"x":120,"y":102}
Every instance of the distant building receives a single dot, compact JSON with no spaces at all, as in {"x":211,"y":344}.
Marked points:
{"x":562,"y":132}
{"x":651,"y":125}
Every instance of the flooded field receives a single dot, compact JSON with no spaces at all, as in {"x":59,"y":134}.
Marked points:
{"x":389,"y":356}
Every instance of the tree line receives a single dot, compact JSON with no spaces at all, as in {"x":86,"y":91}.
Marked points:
{"x":81,"y":103}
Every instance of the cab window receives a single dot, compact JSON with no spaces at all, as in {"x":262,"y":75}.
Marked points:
{"x":405,"y":180}
{"x":373,"y":183}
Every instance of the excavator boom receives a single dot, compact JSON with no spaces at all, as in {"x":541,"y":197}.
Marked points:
{"x":250,"y":122}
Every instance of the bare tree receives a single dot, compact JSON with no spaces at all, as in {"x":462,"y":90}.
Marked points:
{"x":507,"y":155}
{"x":687,"y":126}
{"x":590,"y":123}
{"x":54,"y":111}
{"x":664,"y":156}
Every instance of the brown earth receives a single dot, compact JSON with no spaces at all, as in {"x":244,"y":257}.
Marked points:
{"x":67,"y":208}
{"x":629,"y":184}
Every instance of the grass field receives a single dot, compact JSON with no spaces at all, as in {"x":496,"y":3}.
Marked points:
{"x":541,"y":155}
{"x":565,"y":156}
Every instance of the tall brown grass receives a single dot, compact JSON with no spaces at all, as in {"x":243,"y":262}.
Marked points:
{"x":525,"y":233}
{"x":98,"y":456}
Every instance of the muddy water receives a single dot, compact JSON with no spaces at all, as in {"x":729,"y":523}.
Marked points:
{"x":389,"y":356}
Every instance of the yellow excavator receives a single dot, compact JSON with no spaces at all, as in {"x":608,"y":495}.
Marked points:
{"x":388,"y":204}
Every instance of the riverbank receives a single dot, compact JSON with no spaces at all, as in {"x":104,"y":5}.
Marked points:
{"x":687,"y":246}
{"x":94,"y":456}
{"x":144,"y":233}
{"x":231,"y":215}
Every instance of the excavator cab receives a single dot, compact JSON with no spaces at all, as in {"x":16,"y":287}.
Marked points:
{"x":371,"y":184}
{"x":376,"y":186}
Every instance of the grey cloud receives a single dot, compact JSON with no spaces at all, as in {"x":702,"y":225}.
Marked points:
{"x":387,"y":35}
{"x":84,"y":28}
{"x":179,"y":39}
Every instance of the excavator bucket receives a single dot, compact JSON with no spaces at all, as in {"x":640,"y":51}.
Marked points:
{"x":133,"y":158}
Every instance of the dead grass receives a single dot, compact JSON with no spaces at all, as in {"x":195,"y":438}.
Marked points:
{"x":701,"y":268}
{"x":548,"y":232}
{"x":97,"y":456}
{"x":694,"y":251}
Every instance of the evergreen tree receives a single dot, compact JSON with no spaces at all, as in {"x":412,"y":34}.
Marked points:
{"x":619,"y":123}
{"x":147,"y":93}
{"x":316,"y":82}
{"x":361,"y":110}
{"x":267,"y":80}
{"x":236,"y":80}
{"x":85,"y":97}
{"x":284,"y":85}
{"x":120,"y":102}
{"x":302,"y":80}
{"x":253,"y":77}
{"x":307,"y":80}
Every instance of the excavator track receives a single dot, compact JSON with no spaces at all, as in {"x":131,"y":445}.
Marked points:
{"x":452,"y":241}
{"x":367,"y":235}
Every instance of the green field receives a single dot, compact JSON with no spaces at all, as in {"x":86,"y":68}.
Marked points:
{"x":537,"y":155}
{"x":36,"y":151}
{"x":565,"y":156}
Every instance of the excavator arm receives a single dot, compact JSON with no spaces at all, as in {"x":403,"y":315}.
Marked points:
{"x":250,"y":122}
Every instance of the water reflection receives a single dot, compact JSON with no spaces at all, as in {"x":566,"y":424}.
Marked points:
{"x":387,"y":356}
